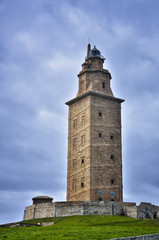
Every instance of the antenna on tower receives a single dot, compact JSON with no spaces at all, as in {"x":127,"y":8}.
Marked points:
{"x":88,"y":48}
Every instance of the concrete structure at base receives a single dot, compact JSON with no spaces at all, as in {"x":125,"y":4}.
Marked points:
{"x":61,"y":209}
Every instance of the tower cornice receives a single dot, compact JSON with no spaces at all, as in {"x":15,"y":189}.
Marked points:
{"x":95,"y":94}
{"x":95,"y":70}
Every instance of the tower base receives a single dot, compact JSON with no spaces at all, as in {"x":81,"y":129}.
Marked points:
{"x":61,"y":209}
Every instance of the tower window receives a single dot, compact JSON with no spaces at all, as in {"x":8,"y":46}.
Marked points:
{"x":75,"y":123}
{"x":88,"y":66}
{"x":74,"y":143}
{"x":82,"y":161}
{"x":103,"y":84}
{"x":100,"y":192}
{"x":83,"y":140}
{"x":100,"y":135}
{"x":112,"y":157}
{"x":112,"y":181}
{"x":83,"y":120}
{"x":112,"y":194}
{"x":100,"y":114}
{"x":74,"y":164}
{"x":111,"y":137}
{"x":81,"y":85}
{"x":74,"y":184}
{"x":82,"y":184}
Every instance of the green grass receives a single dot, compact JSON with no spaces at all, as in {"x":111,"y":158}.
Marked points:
{"x":82,"y":228}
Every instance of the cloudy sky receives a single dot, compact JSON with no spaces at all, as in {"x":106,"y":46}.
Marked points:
{"x":42,"y":46}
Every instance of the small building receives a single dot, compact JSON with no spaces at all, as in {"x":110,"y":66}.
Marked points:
{"x":42,"y":199}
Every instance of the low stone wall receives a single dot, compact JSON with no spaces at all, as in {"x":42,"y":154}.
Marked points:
{"x":40,"y":210}
{"x":147,"y":210}
{"x":130,"y":209}
{"x":143,"y":237}
{"x":68,"y":209}
{"x":88,"y":208}
{"x":29,"y":212}
{"x":60,"y":209}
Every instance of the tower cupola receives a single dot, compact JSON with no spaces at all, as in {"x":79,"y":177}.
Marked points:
{"x":94,"y":52}
{"x":93,"y":76}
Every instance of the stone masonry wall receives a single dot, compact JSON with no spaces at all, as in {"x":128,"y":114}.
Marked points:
{"x":60,"y":209}
{"x":147,"y":210}
{"x":106,"y":161}
{"x":44,"y":209}
{"x":40,"y":210}
{"x":29,"y":212}
{"x":142,"y":237}
{"x":78,"y":165}
{"x":130,"y":210}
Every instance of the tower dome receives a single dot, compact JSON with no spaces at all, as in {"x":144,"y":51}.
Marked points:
{"x":94,"y":52}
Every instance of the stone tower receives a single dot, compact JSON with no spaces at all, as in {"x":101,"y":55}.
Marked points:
{"x":94,"y":167}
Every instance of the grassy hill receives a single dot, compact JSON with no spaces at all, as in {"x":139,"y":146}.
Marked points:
{"x":82,"y":228}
